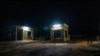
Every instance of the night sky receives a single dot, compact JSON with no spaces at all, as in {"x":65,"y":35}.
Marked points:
{"x":80,"y":16}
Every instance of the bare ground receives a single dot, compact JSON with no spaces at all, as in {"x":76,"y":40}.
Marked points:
{"x":47,"y":49}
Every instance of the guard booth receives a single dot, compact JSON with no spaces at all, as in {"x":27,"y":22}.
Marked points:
{"x":23,"y":33}
{"x":59,"y":33}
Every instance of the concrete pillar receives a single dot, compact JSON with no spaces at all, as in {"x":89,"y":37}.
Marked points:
{"x":32,"y":34}
{"x":52,"y":35}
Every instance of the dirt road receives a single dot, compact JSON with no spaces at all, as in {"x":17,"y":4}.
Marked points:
{"x":41,"y":49}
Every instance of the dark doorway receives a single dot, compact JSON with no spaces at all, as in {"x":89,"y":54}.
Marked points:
{"x":29,"y":33}
{"x":65,"y":33}
{"x":57,"y":33}
{"x":19,"y":34}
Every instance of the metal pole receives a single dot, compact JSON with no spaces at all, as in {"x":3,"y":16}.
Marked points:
{"x":40,"y":30}
{"x":98,"y":19}
{"x":98,"y":16}
{"x":10,"y":33}
{"x":16,"y":33}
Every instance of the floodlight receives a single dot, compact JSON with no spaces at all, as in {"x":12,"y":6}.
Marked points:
{"x":25,"y":28}
{"x":57,"y":27}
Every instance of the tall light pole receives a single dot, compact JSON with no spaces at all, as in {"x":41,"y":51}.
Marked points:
{"x":98,"y":19}
{"x":98,"y":16}
{"x":40,"y":30}
{"x":10,"y":33}
{"x":16,"y":33}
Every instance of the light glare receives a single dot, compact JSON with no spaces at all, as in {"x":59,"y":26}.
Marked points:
{"x":57,"y":25}
{"x":26,"y":28}
{"x":60,"y":44}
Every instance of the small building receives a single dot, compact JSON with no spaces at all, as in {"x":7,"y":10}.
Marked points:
{"x":23,"y":33}
{"x":62,"y":31}
{"x":18,"y":32}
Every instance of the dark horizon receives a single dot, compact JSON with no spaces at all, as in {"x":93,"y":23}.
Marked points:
{"x":82,"y":17}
